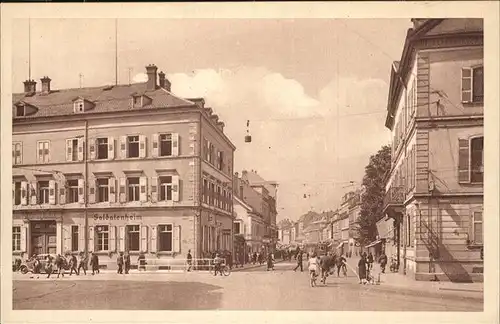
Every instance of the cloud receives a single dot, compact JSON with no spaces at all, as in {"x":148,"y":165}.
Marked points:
{"x":140,"y":77}
{"x":297,"y":138}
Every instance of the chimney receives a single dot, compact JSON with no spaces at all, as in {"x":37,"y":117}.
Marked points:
{"x":161,"y":79}
{"x":29,"y":86}
{"x":45,"y":84}
{"x":151,"y":71}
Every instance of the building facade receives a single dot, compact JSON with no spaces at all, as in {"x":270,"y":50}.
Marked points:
{"x":435,"y":113}
{"x":119,"y":168}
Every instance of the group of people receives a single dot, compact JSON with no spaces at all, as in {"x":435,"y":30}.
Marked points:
{"x":67,"y":262}
{"x":365,"y":266}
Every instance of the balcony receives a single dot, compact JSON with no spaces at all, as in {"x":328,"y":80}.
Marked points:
{"x":393,"y":201}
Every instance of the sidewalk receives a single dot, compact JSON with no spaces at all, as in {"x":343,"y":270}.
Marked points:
{"x":391,"y":280}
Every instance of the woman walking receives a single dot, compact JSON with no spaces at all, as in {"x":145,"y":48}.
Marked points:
{"x":362,"y":270}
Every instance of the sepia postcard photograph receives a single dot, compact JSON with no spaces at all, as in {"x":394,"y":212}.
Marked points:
{"x":321,"y":163}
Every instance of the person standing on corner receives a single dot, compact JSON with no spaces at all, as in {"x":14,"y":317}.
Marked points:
{"x":119,"y":262}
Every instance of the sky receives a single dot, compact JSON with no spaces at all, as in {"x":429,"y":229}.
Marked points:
{"x":314,"y":90}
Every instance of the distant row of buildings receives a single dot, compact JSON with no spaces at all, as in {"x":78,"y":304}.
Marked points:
{"x":127,"y":168}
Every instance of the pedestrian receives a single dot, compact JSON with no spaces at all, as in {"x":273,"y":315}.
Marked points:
{"x":383,"y":262}
{"x":299,"y":262}
{"x":362,"y":269}
{"x":48,"y":266}
{"x":73,"y":264}
{"x":369,"y":261}
{"x":326,"y":262}
{"x":270,"y":261}
{"x":254,"y":258}
{"x":60,"y":264}
{"x":82,"y":264}
{"x":94,"y":263}
{"x":341,"y":265}
{"x":119,"y":262}
{"x":189,"y":261}
{"x":126,"y":261}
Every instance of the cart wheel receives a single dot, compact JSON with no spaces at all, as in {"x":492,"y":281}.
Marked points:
{"x":24,"y":269}
{"x":227,"y":271}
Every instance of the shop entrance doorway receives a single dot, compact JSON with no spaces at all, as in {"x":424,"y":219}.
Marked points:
{"x":43,"y":237}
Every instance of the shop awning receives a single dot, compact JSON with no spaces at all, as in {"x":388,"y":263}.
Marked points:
{"x":373,"y":243}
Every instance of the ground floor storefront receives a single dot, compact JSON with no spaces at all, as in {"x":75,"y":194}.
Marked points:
{"x":158,"y":233}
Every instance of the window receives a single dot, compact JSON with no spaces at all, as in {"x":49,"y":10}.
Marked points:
{"x":472,"y":84}
{"x":43,"y":192}
{"x":237,"y":228}
{"x":137,"y":101}
{"x":206,"y":144}
{"x":166,"y":188}
{"x":20,"y":111}
{"x":102,"y":148}
{"x":16,"y":238}
{"x":165,"y":144}
{"x":477,"y":159}
{"x":102,"y":232}
{"x":17,"y":193}
{"x":133,"y":237}
{"x":211,"y":149}
{"x":17,"y":154}
{"x":205,"y":191}
{"x":224,"y":199}
{"x":166,"y":238}
{"x":212,"y":193}
{"x":219,"y":160}
{"x":74,"y":238}
{"x":72,"y":191}
{"x":133,"y":146}
{"x":408,"y":230}
{"x":102,"y":190}
{"x":477,"y":228}
{"x":218,"y":199}
{"x":43,"y":151}
{"x":133,"y":189}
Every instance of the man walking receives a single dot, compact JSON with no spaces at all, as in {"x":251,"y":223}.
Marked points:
{"x":82,"y":264}
{"x":60,"y":263}
{"x":127,"y":262}
{"x":299,"y":262}
{"x":73,"y":263}
{"x":383,"y":262}
{"x":119,"y":262}
{"x":189,"y":261}
{"x":94,"y":263}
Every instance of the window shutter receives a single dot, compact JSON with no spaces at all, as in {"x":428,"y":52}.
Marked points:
{"x":123,"y":147}
{"x":92,"y":148}
{"x":175,"y":144}
{"x":466,"y":85}
{"x":142,"y":146}
{"x":155,"y":149}
{"x":154,"y":189}
{"x":81,"y":238}
{"x":69,"y":150}
{"x":154,"y":242}
{"x":81,"y":191}
{"x":121,"y":239}
{"x":144,"y":238}
{"x":123,"y":184}
{"x":143,"y":187}
{"x":24,"y":193}
{"x":80,"y":149}
{"x":111,"y":148}
{"x":177,"y":239}
{"x":52,"y":192}
{"x":62,"y":192}
{"x":92,"y":189}
{"x":67,"y":238}
{"x":112,"y":238}
{"x":463,"y":161}
{"x":24,"y":236}
{"x":112,"y":190}
{"x":33,"y":193}
{"x":91,"y":239}
{"x":175,"y":188}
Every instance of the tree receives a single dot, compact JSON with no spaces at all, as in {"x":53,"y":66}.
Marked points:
{"x":372,"y":199}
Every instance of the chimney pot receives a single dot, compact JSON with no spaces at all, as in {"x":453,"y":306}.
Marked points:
{"x":45,"y":84}
{"x":151,"y":72}
{"x":30,"y":86}
{"x":161,"y":79}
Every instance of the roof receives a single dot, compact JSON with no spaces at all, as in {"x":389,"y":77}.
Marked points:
{"x":254,"y":179}
{"x":105,"y":99}
{"x":314,"y":227}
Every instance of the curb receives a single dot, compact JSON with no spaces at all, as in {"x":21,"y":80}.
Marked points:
{"x":431,"y":293}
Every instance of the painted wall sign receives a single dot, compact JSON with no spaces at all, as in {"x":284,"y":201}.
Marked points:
{"x":115,"y":217}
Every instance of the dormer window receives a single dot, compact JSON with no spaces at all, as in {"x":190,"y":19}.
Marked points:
{"x":20,"y":111}
{"x":81,"y":105}
{"x":139,"y":101}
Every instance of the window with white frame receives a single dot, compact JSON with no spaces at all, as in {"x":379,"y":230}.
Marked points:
{"x":102,"y":238}
{"x":72,"y":191}
{"x":17,"y":153}
{"x":73,"y":146}
{"x":166,"y":145}
{"x":17,"y":193}
{"x":166,"y":188}
{"x":43,"y":192}
{"x":16,"y":238}
{"x":133,"y":240}
{"x":133,"y":146}
{"x":102,"y":189}
{"x":74,"y":238}
{"x":102,"y":148}
{"x":477,"y":159}
{"x":166,"y":238}
{"x":472,"y":84}
{"x":133,"y":188}
{"x":43,"y":151}
{"x":477,"y":227}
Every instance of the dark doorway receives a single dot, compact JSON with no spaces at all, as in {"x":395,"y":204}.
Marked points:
{"x":43,"y":237}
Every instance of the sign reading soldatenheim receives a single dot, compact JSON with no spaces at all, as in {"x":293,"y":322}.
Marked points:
{"x":157,"y":161}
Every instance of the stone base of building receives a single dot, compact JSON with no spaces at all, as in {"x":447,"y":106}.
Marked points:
{"x":455,"y":271}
